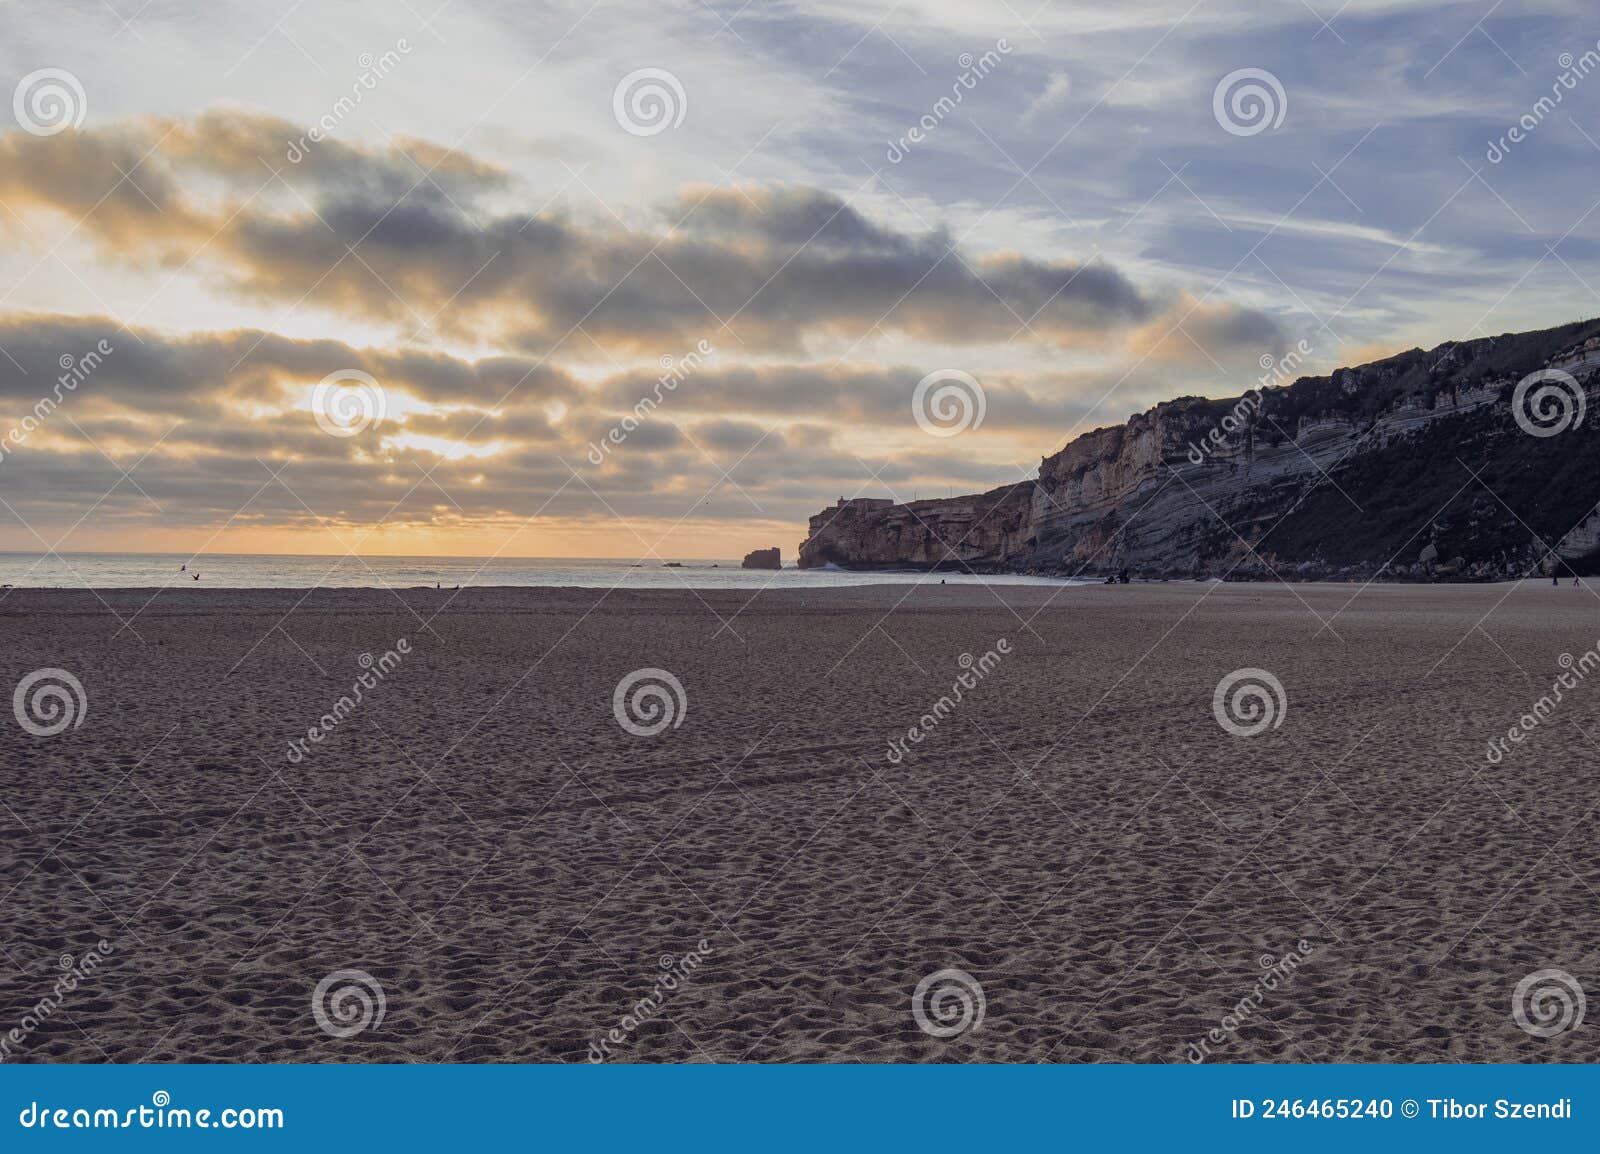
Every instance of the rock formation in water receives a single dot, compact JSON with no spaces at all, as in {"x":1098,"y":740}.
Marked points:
{"x":762,"y":559}
{"x":1441,"y":464}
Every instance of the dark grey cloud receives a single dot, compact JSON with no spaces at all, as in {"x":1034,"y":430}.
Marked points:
{"x":376,"y":234}
{"x":208,"y":417}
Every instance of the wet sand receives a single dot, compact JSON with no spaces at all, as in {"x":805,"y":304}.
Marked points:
{"x":1114,"y":869}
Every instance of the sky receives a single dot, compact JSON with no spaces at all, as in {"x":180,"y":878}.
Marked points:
{"x":662,"y":280}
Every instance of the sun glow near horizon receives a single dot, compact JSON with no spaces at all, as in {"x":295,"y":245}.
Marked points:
{"x":587,"y":332}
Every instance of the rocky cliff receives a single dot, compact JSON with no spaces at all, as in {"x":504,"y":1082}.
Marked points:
{"x":1447,"y":463}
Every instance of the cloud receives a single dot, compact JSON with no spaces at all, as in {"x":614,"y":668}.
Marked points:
{"x":216,"y":431}
{"x":1056,"y":90}
{"x":416,"y":238}
{"x":204,"y":421}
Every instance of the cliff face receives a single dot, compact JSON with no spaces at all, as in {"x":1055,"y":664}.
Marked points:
{"x":979,"y":534}
{"x":1413,"y":466}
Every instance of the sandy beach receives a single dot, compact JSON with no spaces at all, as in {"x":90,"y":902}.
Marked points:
{"x":514,"y":870}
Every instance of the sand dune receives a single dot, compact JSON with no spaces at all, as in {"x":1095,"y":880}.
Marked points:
{"x":1114,"y":869}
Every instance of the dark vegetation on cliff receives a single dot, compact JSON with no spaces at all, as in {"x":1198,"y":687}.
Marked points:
{"x":1409,"y":492}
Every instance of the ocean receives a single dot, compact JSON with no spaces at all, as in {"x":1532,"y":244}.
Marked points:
{"x":268,"y":571}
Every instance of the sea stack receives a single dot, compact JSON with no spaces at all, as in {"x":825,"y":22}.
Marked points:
{"x":762,"y":559}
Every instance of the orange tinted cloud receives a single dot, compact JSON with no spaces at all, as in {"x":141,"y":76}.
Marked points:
{"x":406,"y":238}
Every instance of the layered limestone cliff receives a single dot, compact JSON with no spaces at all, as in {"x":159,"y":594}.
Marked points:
{"x":1414,"y":466}
{"x":963,"y":533}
